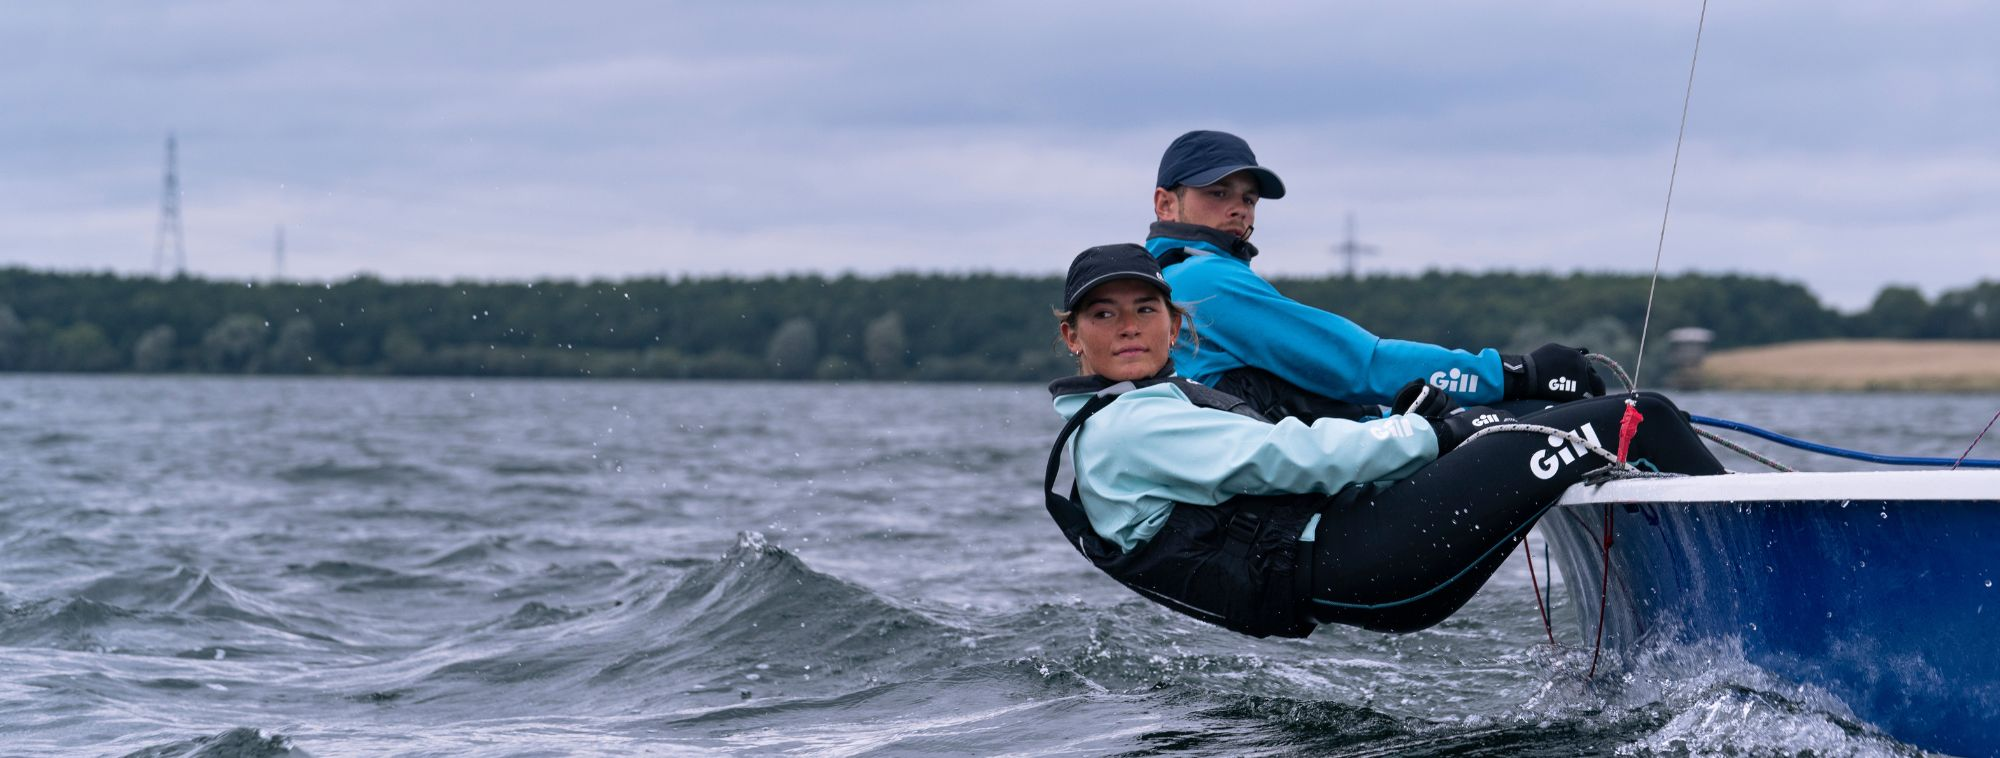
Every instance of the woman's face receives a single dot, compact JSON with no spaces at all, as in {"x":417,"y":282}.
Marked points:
{"x":1122,"y":330}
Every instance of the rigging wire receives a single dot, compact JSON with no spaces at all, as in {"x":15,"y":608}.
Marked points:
{"x":1975,"y":441}
{"x":1659,"y":248}
{"x":1673,"y":174}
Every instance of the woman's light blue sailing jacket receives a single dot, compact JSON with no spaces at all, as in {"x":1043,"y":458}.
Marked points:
{"x":1153,"y":448}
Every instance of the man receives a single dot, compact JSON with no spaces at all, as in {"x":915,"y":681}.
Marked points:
{"x":1290,"y":359}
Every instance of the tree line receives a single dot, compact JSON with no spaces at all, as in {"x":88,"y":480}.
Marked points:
{"x":926,"y":327}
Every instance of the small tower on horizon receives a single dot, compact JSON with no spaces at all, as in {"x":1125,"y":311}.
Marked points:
{"x":1351,"y":249}
{"x":170,"y":219}
{"x":278,"y":256}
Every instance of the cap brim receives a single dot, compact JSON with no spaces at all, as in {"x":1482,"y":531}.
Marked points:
{"x":1268,"y":183}
{"x":1084,"y":291}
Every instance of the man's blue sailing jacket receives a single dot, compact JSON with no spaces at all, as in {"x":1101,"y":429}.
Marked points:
{"x":1243,"y":321}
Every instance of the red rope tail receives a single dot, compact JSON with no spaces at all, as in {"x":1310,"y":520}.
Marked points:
{"x":1975,"y":442}
{"x":1603,"y":593}
{"x":1628,"y":427}
{"x":1528,"y":549}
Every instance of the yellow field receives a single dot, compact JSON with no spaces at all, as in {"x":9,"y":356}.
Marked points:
{"x":1857,"y":366}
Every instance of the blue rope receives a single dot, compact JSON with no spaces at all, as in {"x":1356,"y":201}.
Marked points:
{"x":1894,"y":460}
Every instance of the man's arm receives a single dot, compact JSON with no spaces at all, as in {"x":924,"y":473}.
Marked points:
{"x":1238,"y":312}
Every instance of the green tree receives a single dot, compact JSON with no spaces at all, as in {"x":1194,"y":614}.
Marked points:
{"x":836,"y":368}
{"x":793,"y":351}
{"x":947,"y":327}
{"x":154,"y":351}
{"x":1967,"y":314}
{"x":235,"y":344}
{"x":402,"y":350}
{"x":887,"y":347}
{"x":82,"y":347}
{"x":1898,"y":313}
{"x":292,"y":353}
{"x":13,"y":339}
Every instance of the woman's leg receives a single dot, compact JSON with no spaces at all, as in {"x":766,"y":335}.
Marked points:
{"x":1411,"y":554}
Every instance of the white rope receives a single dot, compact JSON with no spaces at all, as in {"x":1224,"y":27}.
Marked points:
{"x":1551,"y":431}
{"x":1613,"y":469}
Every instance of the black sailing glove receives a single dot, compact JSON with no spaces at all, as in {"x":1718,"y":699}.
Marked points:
{"x":1552,"y":372}
{"x":1421,"y":398}
{"x":1455,"y":429}
{"x":1453,"y":424}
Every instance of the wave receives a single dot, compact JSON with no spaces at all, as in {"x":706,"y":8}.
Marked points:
{"x":539,"y":488}
{"x":176,"y":611}
{"x":1704,"y":698}
{"x":476,"y":552}
{"x":72,"y":624}
{"x":241,"y":742}
{"x":523,"y":467}
{"x":361,"y":577}
{"x":54,"y":439}
{"x":758,"y":620}
{"x":338,"y":473}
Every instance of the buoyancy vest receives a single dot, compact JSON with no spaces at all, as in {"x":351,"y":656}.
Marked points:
{"x":1235,"y":564}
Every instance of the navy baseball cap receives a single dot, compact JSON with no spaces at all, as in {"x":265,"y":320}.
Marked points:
{"x":1110,"y":263}
{"x":1201,"y":158}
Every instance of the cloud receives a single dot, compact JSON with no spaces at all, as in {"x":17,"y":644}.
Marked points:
{"x":518,"y":139}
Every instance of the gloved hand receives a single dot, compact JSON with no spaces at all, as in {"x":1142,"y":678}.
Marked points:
{"x":1551,"y":372}
{"x":1422,"y":398}
{"x":1453,"y":430}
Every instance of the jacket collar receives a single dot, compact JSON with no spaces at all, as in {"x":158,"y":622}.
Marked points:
{"x":1169,"y":235}
{"x":1094,"y":383}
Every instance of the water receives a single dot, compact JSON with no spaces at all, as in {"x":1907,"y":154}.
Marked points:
{"x":224,"y":566}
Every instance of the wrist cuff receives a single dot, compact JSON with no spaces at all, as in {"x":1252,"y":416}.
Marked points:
{"x":1516,"y":381}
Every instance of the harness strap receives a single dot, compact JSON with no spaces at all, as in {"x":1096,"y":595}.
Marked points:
{"x":1056,"y":457}
{"x":1239,"y":534}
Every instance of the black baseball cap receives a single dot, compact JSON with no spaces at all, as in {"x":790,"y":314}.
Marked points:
{"x":1201,"y":158}
{"x":1110,"y":263}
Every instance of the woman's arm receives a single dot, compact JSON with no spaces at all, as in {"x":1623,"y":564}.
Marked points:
{"x":1156,"y":445}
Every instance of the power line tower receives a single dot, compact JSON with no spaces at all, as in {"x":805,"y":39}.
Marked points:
{"x":170,"y":219}
{"x":278,"y":253}
{"x":1351,"y":249}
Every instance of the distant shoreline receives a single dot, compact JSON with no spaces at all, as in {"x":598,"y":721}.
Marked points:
{"x":1858,"y":366}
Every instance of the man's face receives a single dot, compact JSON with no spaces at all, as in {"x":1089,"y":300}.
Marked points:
{"x":1229,"y":205}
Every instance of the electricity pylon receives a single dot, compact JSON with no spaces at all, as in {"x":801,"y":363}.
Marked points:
{"x":170,"y":219}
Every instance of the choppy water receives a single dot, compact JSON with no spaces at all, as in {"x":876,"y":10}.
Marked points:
{"x":217,"y":566}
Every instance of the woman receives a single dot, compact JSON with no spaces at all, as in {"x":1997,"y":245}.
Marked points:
{"x":1190,"y":498}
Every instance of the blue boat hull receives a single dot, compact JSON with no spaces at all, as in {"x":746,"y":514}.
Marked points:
{"x":1878,"y":588}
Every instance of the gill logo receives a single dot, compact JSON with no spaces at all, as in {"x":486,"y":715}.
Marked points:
{"x":1393,"y":426}
{"x":1484,"y":419}
{"x":1455,"y":381}
{"x":1562,"y":384}
{"x":1562,"y":451}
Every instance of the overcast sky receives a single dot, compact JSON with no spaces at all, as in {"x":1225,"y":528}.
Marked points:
{"x":1846,"y":145}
